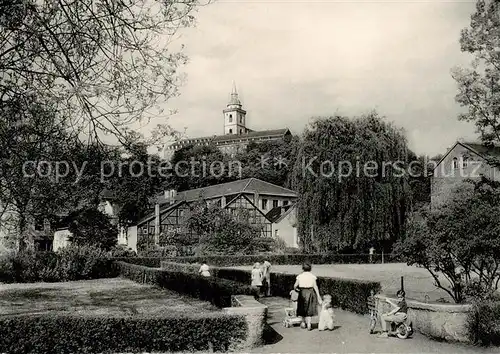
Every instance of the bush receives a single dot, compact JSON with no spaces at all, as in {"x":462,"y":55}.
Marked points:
{"x":483,"y":323}
{"x":71,"y":263}
{"x":158,"y":251}
{"x":122,"y":251}
{"x":83,"y":334}
{"x":84,"y":262}
{"x":214,"y":290}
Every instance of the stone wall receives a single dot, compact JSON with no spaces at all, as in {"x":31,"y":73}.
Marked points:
{"x":255,"y":314}
{"x":439,"y":321}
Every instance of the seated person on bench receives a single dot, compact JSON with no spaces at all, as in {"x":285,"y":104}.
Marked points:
{"x":397,"y":315}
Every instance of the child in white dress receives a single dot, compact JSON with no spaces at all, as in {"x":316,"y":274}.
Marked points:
{"x":326,"y":315}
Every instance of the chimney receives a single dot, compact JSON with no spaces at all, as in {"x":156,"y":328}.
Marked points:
{"x":256,"y":199}
{"x":223,"y":201}
{"x":173,"y":194}
{"x":157,"y":223}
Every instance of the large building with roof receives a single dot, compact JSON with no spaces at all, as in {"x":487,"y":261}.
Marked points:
{"x":236,"y":135}
{"x":263,"y":201}
{"x":462,"y":161}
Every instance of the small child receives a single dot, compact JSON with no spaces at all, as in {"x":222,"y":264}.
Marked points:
{"x":294,"y":297}
{"x":326,"y":315}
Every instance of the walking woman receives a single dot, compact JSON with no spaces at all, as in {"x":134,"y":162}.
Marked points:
{"x":309,"y":297}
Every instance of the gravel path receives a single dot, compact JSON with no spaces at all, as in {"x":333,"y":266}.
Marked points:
{"x":350,"y":336}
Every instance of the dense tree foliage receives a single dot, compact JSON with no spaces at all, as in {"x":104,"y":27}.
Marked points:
{"x":90,"y":227}
{"x":106,"y":64}
{"x":225,"y":233}
{"x":352,"y":186}
{"x":31,"y":142}
{"x":270,"y":161}
{"x":133,"y":178}
{"x":200,"y":166}
{"x":457,"y":242}
{"x":479,"y":84}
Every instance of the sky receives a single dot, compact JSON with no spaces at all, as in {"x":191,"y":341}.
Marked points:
{"x":294,"y":60}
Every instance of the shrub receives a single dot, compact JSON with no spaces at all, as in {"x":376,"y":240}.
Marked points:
{"x":483,"y":323}
{"x":122,"y":251}
{"x":215,"y":290}
{"x":84,"y":334}
{"x":84,"y":262}
{"x":70,"y":263}
{"x":159,"y":251}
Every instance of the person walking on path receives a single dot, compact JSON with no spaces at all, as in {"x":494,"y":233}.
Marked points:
{"x":257,"y":279}
{"x":266,"y":267}
{"x":309,"y":297}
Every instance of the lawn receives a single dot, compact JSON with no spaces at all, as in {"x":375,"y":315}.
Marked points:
{"x":418,"y":283}
{"x":108,"y":297}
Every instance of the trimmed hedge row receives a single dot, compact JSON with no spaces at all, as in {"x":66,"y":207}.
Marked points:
{"x":42,"y":334}
{"x":349,"y":294}
{"x":215,"y":290}
{"x":283,"y":259}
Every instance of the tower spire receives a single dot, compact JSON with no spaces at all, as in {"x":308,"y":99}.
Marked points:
{"x":234,"y":96}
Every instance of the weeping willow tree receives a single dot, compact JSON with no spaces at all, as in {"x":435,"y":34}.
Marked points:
{"x":352,"y":183}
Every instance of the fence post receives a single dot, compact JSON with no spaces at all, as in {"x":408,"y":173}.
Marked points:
{"x":402,"y":284}
{"x":382,"y":256}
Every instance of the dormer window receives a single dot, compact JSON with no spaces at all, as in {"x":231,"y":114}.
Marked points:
{"x":455,"y":163}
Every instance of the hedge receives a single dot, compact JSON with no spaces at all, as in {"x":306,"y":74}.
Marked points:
{"x":84,"y":334}
{"x":348,"y":294}
{"x":71,"y":263}
{"x":215,"y":290}
{"x":152,"y":262}
{"x":274,"y":259}
{"x":483,"y":323}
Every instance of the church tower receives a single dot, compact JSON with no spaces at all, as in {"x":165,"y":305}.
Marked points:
{"x":234,"y":115}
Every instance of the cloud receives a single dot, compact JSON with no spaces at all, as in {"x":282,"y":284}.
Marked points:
{"x":295,"y":60}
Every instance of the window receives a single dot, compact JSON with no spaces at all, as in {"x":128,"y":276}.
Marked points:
{"x":465,"y":161}
{"x":285,"y":202}
{"x":276,"y":233}
{"x":275,"y":203}
{"x":264,"y":204}
{"x":230,"y":118}
{"x":241,"y":131}
{"x":455,"y":163}
{"x":230,"y":131}
{"x":241,"y":119}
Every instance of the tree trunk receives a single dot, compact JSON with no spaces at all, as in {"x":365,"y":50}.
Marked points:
{"x":26,"y":241}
